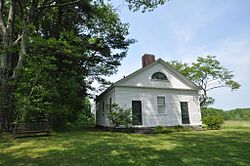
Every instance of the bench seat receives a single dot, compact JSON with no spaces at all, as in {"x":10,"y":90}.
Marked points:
{"x":30,"y":129}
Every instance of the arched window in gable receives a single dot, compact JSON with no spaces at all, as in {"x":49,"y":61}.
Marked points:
{"x":159,"y":76}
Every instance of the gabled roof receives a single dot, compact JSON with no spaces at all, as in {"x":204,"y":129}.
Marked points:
{"x":176,"y":72}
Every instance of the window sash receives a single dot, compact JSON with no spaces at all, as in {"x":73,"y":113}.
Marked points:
{"x":159,"y":76}
{"x":161,"y":104}
{"x":103,"y":108}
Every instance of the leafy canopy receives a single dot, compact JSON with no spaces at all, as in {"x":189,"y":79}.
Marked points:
{"x":208,"y":74}
{"x":68,"y":49}
{"x":144,"y":5}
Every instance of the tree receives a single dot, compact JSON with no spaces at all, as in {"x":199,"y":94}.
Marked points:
{"x":70,"y":59}
{"x":83,"y":33}
{"x":208,"y":74}
{"x":17,"y":18}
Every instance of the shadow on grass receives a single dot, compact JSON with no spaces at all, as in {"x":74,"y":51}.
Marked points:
{"x":95,"y":147}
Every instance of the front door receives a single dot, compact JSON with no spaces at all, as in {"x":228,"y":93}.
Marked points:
{"x":136,"y":113}
{"x":184,"y":113}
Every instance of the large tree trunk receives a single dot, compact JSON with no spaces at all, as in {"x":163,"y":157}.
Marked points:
{"x":6,"y":68}
{"x":5,"y":85}
{"x":5,"y":100}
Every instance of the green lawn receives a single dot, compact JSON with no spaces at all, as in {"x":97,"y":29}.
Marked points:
{"x":95,"y":147}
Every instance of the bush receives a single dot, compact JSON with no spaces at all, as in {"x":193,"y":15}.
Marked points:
{"x":213,"y":122}
{"x":211,"y":112}
{"x":119,"y":116}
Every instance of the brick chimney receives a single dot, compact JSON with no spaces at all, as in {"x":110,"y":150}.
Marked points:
{"x":147,"y":59}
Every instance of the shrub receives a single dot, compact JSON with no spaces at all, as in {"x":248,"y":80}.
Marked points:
{"x":211,"y":112}
{"x":213,"y":122}
{"x":119,"y":116}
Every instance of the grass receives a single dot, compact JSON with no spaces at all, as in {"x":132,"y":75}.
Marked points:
{"x":91,"y":146}
{"x":236,"y":124}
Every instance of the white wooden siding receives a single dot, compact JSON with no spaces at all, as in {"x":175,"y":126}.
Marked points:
{"x":150,"y":115}
{"x":101,"y":117}
{"x":143,"y":79}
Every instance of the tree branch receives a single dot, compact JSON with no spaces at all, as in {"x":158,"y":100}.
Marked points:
{"x":59,"y":5}
{"x":1,"y":17}
{"x":10,"y":17}
{"x":17,"y":40}
{"x":221,"y":86}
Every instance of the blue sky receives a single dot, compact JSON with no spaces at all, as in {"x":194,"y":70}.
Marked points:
{"x":183,"y":30}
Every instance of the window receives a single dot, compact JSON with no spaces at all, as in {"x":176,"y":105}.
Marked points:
{"x":110,"y":103}
{"x":159,"y":76}
{"x":161,"y":104}
{"x":103,"y":108}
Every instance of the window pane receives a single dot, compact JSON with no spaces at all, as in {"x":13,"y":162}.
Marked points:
{"x":159,"y":76}
{"x":103,"y":108}
{"x":184,"y":113}
{"x":110,"y":103}
{"x":161,"y":101}
{"x":161,"y":104}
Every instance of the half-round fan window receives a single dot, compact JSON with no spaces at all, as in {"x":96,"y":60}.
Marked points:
{"x":159,"y":76}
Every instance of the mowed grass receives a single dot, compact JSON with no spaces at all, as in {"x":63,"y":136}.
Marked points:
{"x":91,"y":146}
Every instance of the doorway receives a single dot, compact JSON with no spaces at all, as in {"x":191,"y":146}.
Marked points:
{"x":136,"y":113}
{"x":184,"y":113}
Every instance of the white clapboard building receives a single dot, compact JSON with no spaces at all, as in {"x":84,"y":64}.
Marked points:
{"x":157,"y":94}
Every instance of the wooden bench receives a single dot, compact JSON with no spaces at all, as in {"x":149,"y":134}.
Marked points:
{"x":30,"y":129}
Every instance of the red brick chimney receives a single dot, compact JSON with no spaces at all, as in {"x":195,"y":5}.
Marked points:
{"x":147,"y":59}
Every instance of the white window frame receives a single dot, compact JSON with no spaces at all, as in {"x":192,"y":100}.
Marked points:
{"x":161,"y":107}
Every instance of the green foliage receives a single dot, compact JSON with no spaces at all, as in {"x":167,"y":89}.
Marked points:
{"x":208,"y":74}
{"x":145,"y":5}
{"x":119,"y":117}
{"x":238,"y":114}
{"x":213,"y":122}
{"x":211,"y":112}
{"x":86,"y":116}
{"x":180,"y":66}
{"x":213,"y":118}
{"x":49,"y":87}
{"x":65,"y":58}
